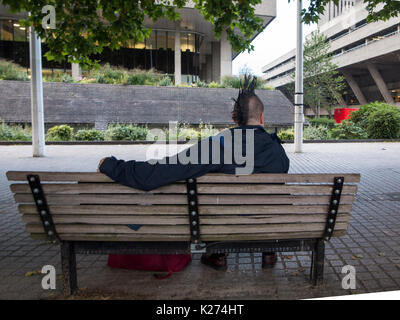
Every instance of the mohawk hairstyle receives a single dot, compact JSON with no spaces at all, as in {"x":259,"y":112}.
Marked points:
{"x":240,"y":113}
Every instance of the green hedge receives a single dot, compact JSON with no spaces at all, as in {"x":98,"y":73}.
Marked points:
{"x":12,"y":71}
{"x":126,"y":132}
{"x":89,"y":135}
{"x":14,"y":132}
{"x":378,"y":119}
{"x":323,"y":121}
{"x":60,"y":133}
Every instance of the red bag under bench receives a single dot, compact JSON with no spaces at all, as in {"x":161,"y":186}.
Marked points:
{"x":152,"y":262}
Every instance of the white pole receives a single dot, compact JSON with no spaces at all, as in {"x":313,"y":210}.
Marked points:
{"x":38,"y":141}
{"x":298,"y":96}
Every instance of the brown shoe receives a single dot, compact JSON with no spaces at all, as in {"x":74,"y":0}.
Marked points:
{"x":269,"y":259}
{"x":214,"y":260}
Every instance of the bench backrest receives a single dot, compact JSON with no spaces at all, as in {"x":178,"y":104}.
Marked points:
{"x":90,"y":206}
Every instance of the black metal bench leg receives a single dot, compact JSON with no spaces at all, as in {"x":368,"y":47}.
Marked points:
{"x":317,"y":262}
{"x":68,"y":263}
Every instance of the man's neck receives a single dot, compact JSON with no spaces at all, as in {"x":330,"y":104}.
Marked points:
{"x":253,"y":123}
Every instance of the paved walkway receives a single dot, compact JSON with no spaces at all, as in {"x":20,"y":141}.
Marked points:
{"x":372,"y":244}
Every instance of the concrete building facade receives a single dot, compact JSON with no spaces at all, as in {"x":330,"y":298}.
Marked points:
{"x":367,"y":54}
{"x":186,"y":50}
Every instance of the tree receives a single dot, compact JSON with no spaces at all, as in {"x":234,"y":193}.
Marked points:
{"x":323,"y":85}
{"x":86,"y":27}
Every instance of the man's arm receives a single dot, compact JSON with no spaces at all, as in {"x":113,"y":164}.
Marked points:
{"x":145,"y":176}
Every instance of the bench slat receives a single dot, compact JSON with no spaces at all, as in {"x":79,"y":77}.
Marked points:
{"x":206,"y":229}
{"x":110,"y":188}
{"x":147,"y":199}
{"x":209,"y":178}
{"x":180,"y":220}
{"x":216,"y":237}
{"x":182,"y":209}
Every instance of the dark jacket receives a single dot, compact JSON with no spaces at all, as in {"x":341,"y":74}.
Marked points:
{"x":269,"y":157}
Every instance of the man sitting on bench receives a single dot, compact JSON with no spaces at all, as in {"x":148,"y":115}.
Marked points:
{"x":266,"y":155}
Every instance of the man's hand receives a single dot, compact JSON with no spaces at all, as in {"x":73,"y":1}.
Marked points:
{"x":100,"y":163}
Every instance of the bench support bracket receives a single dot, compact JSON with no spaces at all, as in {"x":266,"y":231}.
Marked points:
{"x":42,"y":207}
{"x":333,"y":207}
{"x":194,"y":221}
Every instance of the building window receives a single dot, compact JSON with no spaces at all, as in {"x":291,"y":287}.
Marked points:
{"x":20,"y":33}
{"x":171,"y":40}
{"x":151,"y":42}
{"x":161,"y":39}
{"x":6,"y":30}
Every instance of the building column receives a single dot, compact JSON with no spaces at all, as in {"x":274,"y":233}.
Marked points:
{"x":178,"y":57}
{"x":225,"y":56}
{"x":354,"y":86}
{"x":76,"y":72}
{"x":380,"y":83}
{"x":216,"y":61}
{"x":209,"y":68}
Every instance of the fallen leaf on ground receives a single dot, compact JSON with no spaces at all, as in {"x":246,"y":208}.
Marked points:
{"x":32,"y":273}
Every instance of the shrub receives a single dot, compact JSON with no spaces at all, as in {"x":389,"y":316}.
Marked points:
{"x":316,"y":133}
{"x":60,"y":133}
{"x":184,"y":85}
{"x":287,"y":134}
{"x":110,"y":75}
{"x":200,"y":84}
{"x":207,"y":130}
{"x":215,"y":85}
{"x":136,"y":79}
{"x":231,"y":82}
{"x":348,"y":130}
{"x":235,"y":82}
{"x":12,"y":71}
{"x":89,"y":135}
{"x":165,"y":81}
{"x":67,"y":78}
{"x":384,"y":124}
{"x":14,"y":133}
{"x":326,"y":122}
{"x":380,"y":120}
{"x":126,"y":132}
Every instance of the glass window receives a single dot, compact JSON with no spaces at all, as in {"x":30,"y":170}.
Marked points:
{"x":161,"y":40}
{"x":6,"y":30}
{"x":151,"y":42}
{"x":139,"y":45}
{"x":171,"y":40}
{"x":191,"y":42}
{"x":20,"y":33}
{"x":184,"y":41}
{"x":129,"y":44}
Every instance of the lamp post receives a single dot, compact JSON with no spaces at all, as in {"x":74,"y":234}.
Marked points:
{"x":298,"y":96}
{"x":37,"y":112}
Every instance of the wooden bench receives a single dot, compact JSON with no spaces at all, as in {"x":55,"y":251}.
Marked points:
{"x":89,"y":213}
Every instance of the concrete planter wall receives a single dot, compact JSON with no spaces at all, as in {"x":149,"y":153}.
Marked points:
{"x":101,"y":104}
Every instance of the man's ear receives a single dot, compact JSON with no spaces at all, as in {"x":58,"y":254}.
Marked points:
{"x":262,"y":119}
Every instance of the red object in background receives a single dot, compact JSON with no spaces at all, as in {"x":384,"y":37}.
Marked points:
{"x":343,"y":114}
